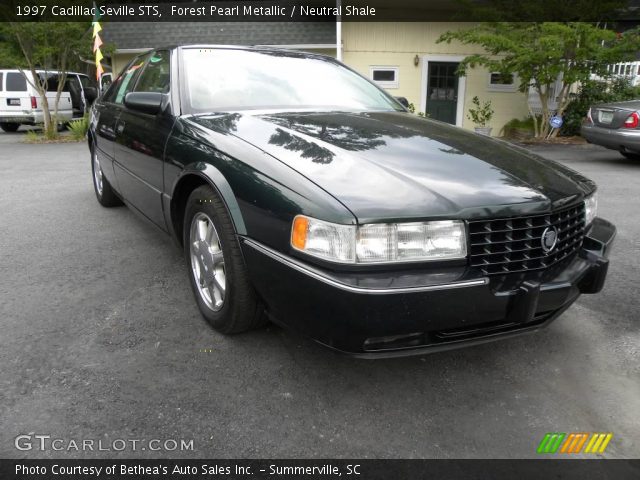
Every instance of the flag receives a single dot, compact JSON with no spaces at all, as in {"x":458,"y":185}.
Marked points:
{"x":97,"y":43}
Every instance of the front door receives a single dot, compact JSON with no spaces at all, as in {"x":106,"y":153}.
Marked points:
{"x":140,"y":142}
{"x":442,"y":91}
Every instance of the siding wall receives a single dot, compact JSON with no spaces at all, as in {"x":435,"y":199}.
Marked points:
{"x":396,"y":44}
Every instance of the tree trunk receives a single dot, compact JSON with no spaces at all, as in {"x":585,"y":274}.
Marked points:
{"x":534,"y":116}
{"x":50,"y":129}
{"x":563,"y":103}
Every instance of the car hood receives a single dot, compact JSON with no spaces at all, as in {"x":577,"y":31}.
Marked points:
{"x":394,"y":165}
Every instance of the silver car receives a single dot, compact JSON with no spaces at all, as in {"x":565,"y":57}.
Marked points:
{"x":616,"y":126}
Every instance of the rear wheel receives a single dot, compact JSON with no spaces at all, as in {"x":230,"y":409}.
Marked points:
{"x":218,"y":276}
{"x":9,"y":127}
{"x":631,"y":156}
{"x":104,"y":192}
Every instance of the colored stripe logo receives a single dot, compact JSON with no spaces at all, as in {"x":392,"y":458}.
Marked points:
{"x":555,"y":442}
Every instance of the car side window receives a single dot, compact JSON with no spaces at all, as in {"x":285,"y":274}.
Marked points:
{"x":16,"y":82}
{"x":128,"y":80}
{"x":86,"y":82}
{"x":155,"y":76}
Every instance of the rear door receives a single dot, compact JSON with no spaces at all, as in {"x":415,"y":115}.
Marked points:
{"x":140,"y":141}
{"x":14,"y":97}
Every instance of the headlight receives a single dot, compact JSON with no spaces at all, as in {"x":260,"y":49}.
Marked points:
{"x":590,"y":208}
{"x":380,"y":242}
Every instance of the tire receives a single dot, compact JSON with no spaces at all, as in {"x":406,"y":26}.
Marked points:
{"x":631,"y":156}
{"x":217,"y":272}
{"x":104,"y":191}
{"x":9,"y":127}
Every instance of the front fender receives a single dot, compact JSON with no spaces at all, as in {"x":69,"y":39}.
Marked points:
{"x":219,"y":183}
{"x":262,"y":194}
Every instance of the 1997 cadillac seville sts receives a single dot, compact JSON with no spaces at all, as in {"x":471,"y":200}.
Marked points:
{"x":299,"y":189}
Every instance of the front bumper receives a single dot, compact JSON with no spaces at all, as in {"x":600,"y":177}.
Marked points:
{"x":372,"y":314}
{"x":615,"y":139}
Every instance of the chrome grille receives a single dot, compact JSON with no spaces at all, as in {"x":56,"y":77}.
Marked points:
{"x":513,"y":245}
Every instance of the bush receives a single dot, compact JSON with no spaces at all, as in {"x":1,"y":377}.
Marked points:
{"x":591,"y":93}
{"x":519,"y":129}
{"x":79,"y":128}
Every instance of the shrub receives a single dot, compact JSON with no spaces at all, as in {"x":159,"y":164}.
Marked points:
{"x":79,"y":128}
{"x":481,"y":114}
{"x":519,"y":129}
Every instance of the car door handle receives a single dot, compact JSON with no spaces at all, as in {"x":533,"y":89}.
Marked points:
{"x":120,"y":127}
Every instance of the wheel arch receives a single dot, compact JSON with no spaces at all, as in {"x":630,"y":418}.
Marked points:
{"x":192,"y":179}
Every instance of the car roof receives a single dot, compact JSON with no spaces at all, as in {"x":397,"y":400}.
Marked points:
{"x":254,"y":48}
{"x":39,"y":70}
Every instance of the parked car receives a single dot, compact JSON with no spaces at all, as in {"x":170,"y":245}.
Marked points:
{"x":299,"y":189}
{"x":615,"y":126}
{"x":20,"y":103}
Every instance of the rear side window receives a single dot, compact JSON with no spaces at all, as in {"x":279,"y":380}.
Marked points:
{"x":53,"y":81}
{"x":1,"y":80}
{"x":16,"y":82}
{"x":155,"y":77}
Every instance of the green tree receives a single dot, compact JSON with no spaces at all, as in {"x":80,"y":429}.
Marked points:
{"x":541,"y":53}
{"x":48,"y":46}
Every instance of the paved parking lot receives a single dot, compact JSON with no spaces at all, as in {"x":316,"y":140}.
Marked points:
{"x":100,"y":339}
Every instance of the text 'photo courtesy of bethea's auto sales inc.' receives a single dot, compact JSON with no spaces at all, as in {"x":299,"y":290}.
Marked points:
{"x":250,"y":239}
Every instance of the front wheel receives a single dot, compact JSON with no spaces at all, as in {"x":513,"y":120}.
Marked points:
{"x":9,"y":127}
{"x":217,"y":272}
{"x":104,"y":192}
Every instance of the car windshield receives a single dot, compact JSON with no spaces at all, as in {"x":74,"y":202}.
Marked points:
{"x":230,"y":79}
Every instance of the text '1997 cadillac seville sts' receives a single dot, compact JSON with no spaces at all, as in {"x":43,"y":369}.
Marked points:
{"x":303,"y":193}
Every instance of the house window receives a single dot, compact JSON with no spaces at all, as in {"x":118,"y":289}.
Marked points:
{"x":502,"y":82}
{"x":386,"y":77}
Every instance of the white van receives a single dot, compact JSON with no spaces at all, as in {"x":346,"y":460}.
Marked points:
{"x":20,"y":102}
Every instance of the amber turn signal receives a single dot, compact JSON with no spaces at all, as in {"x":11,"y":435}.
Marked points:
{"x":299,"y":232}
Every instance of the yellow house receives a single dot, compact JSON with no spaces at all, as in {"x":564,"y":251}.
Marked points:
{"x":403,"y":58}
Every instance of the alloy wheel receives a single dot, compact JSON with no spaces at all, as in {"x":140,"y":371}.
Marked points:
{"x":207,"y":261}
{"x":97,"y":173}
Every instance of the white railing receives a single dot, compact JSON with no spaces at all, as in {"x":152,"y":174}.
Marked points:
{"x":630,"y":70}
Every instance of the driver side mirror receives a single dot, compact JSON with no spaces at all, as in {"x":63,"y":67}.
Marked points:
{"x":403,"y":101}
{"x":145,"y":102}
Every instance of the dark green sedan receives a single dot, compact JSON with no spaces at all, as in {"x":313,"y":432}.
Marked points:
{"x":304,"y":194}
